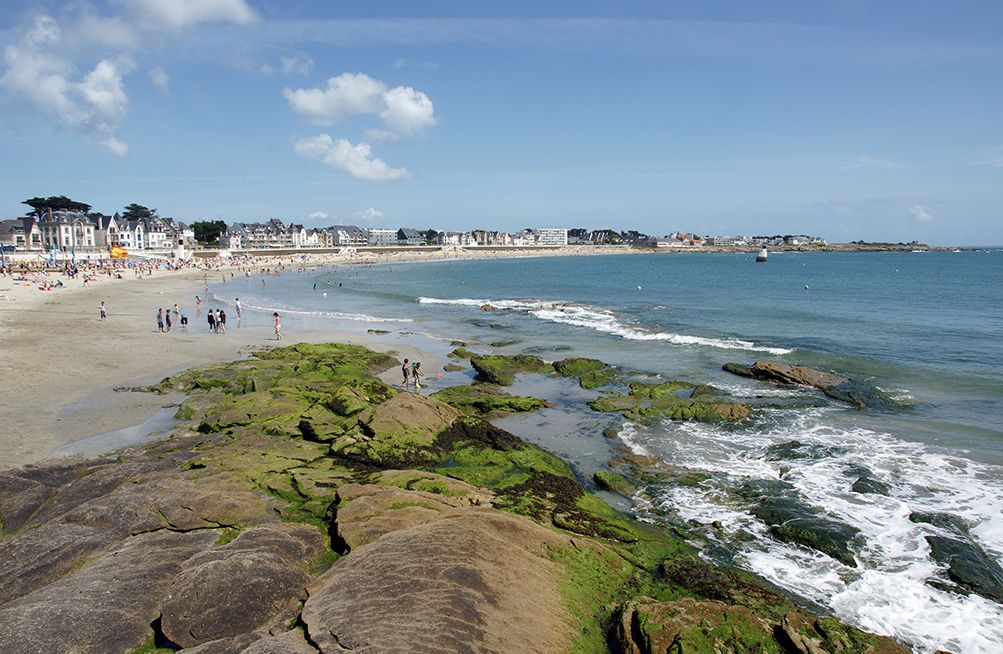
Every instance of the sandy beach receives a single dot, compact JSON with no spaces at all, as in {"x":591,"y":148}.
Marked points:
{"x":61,"y":363}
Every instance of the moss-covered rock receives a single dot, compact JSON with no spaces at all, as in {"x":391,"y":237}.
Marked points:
{"x":499,"y":369}
{"x":613,"y":482}
{"x":672,"y":399}
{"x":461,"y":353}
{"x":487,"y":400}
{"x":590,"y":373}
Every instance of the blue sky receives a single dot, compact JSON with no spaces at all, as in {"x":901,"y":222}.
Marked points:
{"x":850,"y":120}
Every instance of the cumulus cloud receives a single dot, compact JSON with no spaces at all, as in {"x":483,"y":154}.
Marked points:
{"x":159,"y":78}
{"x":920,"y":214}
{"x":368,"y":215}
{"x":357,"y":160}
{"x":95,"y":106}
{"x":178,"y":14}
{"x":404,"y":111}
{"x":318,"y":215}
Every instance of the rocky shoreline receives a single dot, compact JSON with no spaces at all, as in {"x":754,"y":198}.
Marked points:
{"x":308,"y":506}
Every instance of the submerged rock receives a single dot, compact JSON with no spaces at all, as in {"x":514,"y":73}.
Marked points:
{"x":838,"y":387}
{"x":676,"y":400}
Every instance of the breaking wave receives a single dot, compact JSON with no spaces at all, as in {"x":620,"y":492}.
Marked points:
{"x":602,"y":320}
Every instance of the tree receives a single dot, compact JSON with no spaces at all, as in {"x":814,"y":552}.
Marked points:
{"x":430,"y":236}
{"x":207,"y":232}
{"x":41,"y":206}
{"x":137,"y":211}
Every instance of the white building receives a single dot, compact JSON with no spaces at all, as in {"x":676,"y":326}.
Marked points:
{"x":551,"y":236}
{"x":381,"y":236}
{"x":67,"y":230}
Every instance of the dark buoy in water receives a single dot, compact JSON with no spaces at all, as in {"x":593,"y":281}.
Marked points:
{"x":761,"y":257}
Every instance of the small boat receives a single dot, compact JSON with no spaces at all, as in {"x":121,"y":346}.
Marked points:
{"x":761,"y":257}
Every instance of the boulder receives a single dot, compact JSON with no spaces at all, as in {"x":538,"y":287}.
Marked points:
{"x":487,"y":400}
{"x":968,"y":566}
{"x":399,"y":431}
{"x":290,"y":642}
{"x":501,"y":370}
{"x":364,"y":513}
{"x":613,"y":482}
{"x":41,"y":555}
{"x":786,"y":373}
{"x":473,"y":579}
{"x":240,"y":586}
{"x":107,"y":606}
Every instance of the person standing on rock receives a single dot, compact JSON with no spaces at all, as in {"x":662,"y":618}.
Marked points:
{"x":406,"y":371}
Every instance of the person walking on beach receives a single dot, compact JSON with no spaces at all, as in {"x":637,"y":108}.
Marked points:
{"x":221,"y":321}
{"x":236,"y":303}
{"x":406,"y":371}
{"x":278,"y":326}
{"x":160,"y":320}
{"x":103,"y":312}
{"x":167,"y":320}
{"x":211,"y":318}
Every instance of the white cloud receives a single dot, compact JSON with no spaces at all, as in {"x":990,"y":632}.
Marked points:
{"x":318,"y":215}
{"x":178,"y":14}
{"x":346,"y":95}
{"x":407,"y":63}
{"x":159,"y":78}
{"x":920,"y":214}
{"x":357,"y":160}
{"x":368,"y":215}
{"x":94,"y":106}
{"x":865,"y":162}
{"x":408,"y":111}
{"x":404,"y":111}
{"x":298,"y":64}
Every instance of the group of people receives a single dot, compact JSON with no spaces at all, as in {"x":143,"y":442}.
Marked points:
{"x":165,"y":318}
{"x":412,"y":374}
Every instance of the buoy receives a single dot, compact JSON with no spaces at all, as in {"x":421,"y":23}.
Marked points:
{"x":806,"y":286}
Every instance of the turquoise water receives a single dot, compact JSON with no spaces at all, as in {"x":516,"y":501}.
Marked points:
{"x":925,"y":327}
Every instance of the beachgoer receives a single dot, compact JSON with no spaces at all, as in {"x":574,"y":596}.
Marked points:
{"x":237,"y":306}
{"x":176,"y":311}
{"x":221,"y":321}
{"x":160,"y":320}
{"x":406,"y":371}
{"x":102,"y":311}
{"x":184,"y":322}
{"x":198,"y":300}
{"x":417,"y":374}
{"x":278,"y":326}
{"x":167,"y":320}
{"x":211,"y":318}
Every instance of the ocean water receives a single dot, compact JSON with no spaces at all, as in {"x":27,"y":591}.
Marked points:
{"x":924,"y":327}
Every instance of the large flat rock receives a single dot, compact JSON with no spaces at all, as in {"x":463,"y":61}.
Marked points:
{"x":472,"y":580}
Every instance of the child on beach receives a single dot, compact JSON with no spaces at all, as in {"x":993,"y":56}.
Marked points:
{"x":102,"y":311}
{"x":417,"y":374}
{"x":278,"y":326}
{"x":406,"y":371}
{"x":221,"y":321}
{"x":160,"y":320}
{"x":167,"y":320}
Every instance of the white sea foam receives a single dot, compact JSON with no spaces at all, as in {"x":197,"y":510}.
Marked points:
{"x":602,"y":320}
{"x":887,"y":592}
{"x":336,"y":315}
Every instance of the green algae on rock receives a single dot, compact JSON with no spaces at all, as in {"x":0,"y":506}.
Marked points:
{"x":677,"y":400}
{"x":501,"y":370}
{"x":590,"y":373}
{"x":487,"y":400}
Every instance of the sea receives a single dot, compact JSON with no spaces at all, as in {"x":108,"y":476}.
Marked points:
{"x":924,"y":327}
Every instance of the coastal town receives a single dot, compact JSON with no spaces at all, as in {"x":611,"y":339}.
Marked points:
{"x":60,"y":227}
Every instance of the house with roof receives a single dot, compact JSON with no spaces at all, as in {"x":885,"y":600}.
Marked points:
{"x":66,"y":231}
{"x":455,"y":238}
{"x":380,"y":236}
{"x":409,"y":236}
{"x":21,"y":234}
{"x":347,"y":235}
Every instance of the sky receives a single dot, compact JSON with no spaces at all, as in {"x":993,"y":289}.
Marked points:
{"x":850,"y":120}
